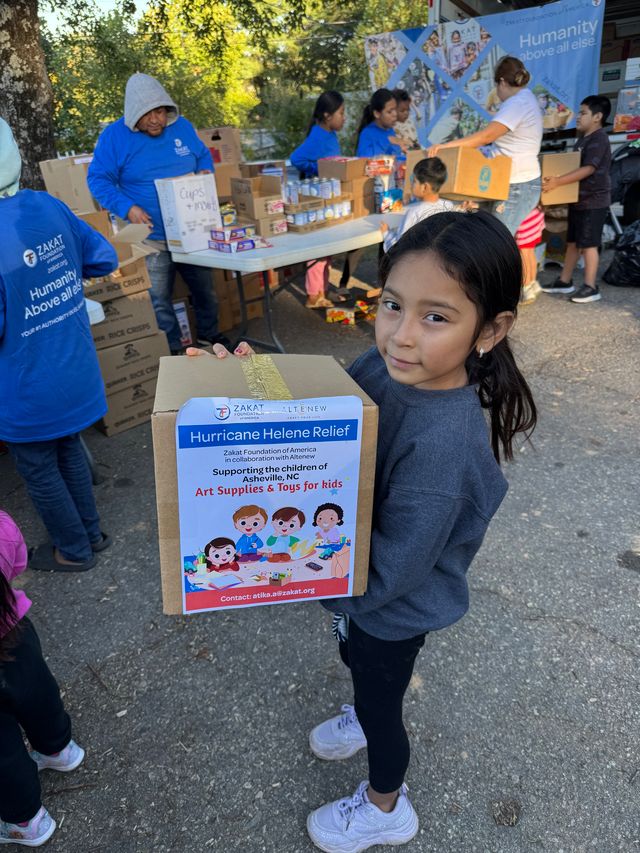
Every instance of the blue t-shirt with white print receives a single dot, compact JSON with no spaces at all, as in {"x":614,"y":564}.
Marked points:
{"x":126,"y":163}
{"x":50,"y":382}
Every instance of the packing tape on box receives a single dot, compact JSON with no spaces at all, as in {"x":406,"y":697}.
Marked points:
{"x":263,"y":378}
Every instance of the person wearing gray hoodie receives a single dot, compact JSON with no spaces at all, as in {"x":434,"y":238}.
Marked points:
{"x":152,"y":140}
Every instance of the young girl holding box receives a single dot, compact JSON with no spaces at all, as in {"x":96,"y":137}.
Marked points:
{"x":322,"y":141}
{"x":30,"y":702}
{"x":451,"y":289}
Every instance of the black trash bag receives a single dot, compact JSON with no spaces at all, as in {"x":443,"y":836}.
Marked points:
{"x":624,"y":270}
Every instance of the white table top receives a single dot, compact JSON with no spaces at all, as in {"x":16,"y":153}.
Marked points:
{"x":293,"y":248}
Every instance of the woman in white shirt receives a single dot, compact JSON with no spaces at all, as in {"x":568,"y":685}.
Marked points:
{"x":516,"y":132}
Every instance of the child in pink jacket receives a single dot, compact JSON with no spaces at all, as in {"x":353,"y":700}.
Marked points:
{"x":29,"y":702}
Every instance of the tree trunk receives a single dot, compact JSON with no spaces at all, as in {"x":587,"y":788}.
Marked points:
{"x":26,"y":96}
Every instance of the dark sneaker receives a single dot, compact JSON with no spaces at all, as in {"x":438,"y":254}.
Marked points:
{"x":587,"y":294}
{"x":558,"y":286}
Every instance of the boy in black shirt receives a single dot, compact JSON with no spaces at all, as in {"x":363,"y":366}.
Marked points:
{"x":588,"y":214}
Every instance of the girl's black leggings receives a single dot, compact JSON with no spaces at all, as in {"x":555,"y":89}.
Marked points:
{"x":381,"y":671}
{"x":30,"y":702}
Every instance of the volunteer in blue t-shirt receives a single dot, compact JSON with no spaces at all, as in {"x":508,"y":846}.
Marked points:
{"x":376,"y":135}
{"x":153,"y":141}
{"x":50,"y":382}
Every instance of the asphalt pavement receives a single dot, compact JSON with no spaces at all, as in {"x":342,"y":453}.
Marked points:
{"x":523,"y":717}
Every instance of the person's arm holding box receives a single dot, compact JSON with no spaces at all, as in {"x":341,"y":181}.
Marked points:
{"x":103,"y":178}
{"x":550,"y":183}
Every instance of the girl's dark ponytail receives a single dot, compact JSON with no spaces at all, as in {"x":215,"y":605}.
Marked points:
{"x":478,"y":251}
{"x":504,"y":392}
{"x":377,"y":103}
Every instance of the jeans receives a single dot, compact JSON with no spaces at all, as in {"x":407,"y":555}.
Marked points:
{"x":59,"y":483}
{"x":30,"y":702}
{"x":162,"y":272}
{"x":381,"y":671}
{"x":522,"y":199}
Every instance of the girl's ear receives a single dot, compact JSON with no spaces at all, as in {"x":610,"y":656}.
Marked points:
{"x":495,"y":331}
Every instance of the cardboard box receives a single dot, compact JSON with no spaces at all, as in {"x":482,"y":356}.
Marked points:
{"x":343,"y":168}
{"x":275,"y":168}
{"x":363,"y":206}
{"x":256,"y":198}
{"x":559,"y":164}
{"x":127,"y":319}
{"x":66,"y":179}
{"x":306,"y":376}
{"x":470,"y":175}
{"x":131,"y":277}
{"x":269,"y":226}
{"x":234,"y":232}
{"x":190,"y":209}
{"x":128,"y":364}
{"x":223,"y":143}
{"x":234,"y":246}
{"x":359,"y":187}
{"x":128,"y":408}
{"x":223,"y":174}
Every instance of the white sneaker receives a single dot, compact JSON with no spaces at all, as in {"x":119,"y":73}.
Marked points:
{"x":33,"y":833}
{"x":339,"y":737}
{"x":354,"y":824}
{"x":65,"y":761}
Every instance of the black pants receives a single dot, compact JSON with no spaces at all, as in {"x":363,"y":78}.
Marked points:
{"x":381,"y":671}
{"x":29,"y":698}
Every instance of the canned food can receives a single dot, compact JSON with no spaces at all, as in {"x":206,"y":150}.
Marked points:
{"x":336,"y":189}
{"x":291,"y":218}
{"x":311,"y":215}
{"x":300,"y":218}
{"x":329,"y":211}
{"x":320,"y":214}
{"x":326,"y":189}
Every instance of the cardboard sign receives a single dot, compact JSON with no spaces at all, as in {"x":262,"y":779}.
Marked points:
{"x":328,"y":461}
{"x":267,"y":495}
{"x":189,"y":206}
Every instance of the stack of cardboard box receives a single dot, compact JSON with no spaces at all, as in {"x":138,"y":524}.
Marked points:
{"x":351,"y":172}
{"x":128,"y":342}
{"x":260,"y":203}
{"x":226,"y":153}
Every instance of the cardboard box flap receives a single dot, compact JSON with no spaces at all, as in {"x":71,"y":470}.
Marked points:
{"x":212,"y":377}
{"x":132,"y":234}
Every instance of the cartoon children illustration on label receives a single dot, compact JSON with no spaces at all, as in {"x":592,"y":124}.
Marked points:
{"x":249,"y":521}
{"x":327,"y":519}
{"x":286,"y":521}
{"x":220,"y":554}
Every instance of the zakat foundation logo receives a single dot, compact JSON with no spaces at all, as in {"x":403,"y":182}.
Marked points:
{"x":181,"y":150}
{"x":221,"y":412}
{"x":30,"y":258}
{"x":177,"y":142}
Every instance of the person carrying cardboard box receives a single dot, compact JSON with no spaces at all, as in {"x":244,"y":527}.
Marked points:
{"x":50,"y":383}
{"x":586,"y":216}
{"x":152,"y":140}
